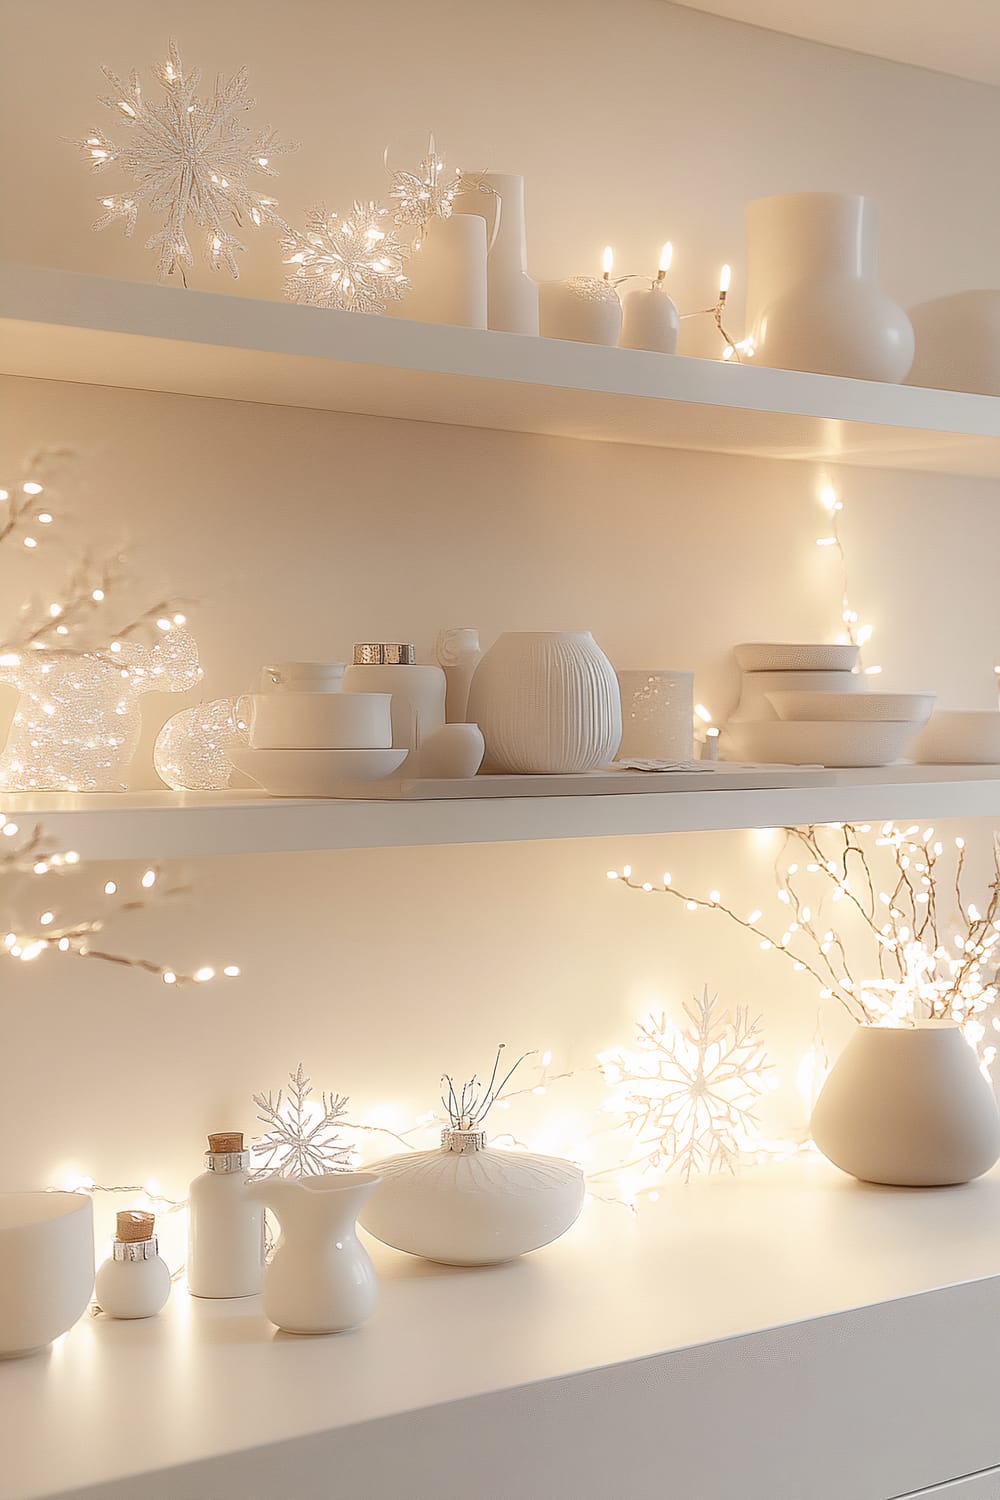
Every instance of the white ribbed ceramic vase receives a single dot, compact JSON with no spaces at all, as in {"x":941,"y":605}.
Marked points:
{"x":908,"y":1106}
{"x":470,"y":1205}
{"x":548,"y":704}
{"x":813,"y":298}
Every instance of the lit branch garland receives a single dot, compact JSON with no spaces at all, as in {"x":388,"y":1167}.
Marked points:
{"x":688,"y":1094}
{"x":190,"y":158}
{"x":890,"y":963}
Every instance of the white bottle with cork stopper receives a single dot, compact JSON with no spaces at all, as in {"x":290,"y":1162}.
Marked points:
{"x":134,"y":1282}
{"x":226,"y":1227}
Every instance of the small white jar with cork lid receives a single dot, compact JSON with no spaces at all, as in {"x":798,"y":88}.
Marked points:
{"x":226,"y":1227}
{"x":133,"y":1282}
{"x":418,"y":694}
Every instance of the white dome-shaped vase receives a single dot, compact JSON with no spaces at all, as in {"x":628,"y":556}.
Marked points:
{"x":470,"y":1205}
{"x":908,"y":1106}
{"x":548,"y":703}
{"x":813,"y":298}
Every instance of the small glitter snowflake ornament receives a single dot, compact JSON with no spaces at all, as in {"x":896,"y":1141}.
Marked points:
{"x":689,"y":1094}
{"x":190,"y":158}
{"x":352,"y":261}
{"x":302,"y":1138}
{"x":429,"y":193}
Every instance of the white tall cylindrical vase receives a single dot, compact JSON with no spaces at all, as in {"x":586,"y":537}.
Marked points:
{"x":447,"y":275}
{"x":584,"y":309}
{"x":813,"y":298}
{"x":46,"y":1267}
{"x":512,"y":295}
{"x":657,"y":715}
{"x":908,"y":1106}
{"x":547,"y":703}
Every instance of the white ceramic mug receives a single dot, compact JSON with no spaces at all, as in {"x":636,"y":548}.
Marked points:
{"x":46,"y":1267}
{"x":320,"y":721}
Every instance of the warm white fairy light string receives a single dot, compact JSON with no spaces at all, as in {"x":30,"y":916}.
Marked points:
{"x":855,"y":632}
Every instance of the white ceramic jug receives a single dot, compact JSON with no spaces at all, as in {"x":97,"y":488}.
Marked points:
{"x":320,"y":1279}
{"x":511,"y":294}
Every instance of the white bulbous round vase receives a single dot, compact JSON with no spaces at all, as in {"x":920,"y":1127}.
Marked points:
{"x":813,"y":298}
{"x":909,"y":1107}
{"x":470,"y":1205}
{"x":548,"y":703}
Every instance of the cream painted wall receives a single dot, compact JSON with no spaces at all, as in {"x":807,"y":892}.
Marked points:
{"x":299,"y":532}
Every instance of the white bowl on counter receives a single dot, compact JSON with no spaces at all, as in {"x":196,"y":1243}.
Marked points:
{"x":755,"y":701}
{"x":825,"y":707}
{"x":786,"y":656}
{"x":315,"y":773}
{"x":960,"y":738}
{"x":843,"y":743}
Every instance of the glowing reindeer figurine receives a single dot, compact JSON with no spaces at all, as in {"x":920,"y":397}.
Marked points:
{"x":77,"y":722}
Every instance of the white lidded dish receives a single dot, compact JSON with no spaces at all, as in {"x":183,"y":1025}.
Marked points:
{"x":823,"y":707}
{"x":843,"y":743}
{"x":788,"y":656}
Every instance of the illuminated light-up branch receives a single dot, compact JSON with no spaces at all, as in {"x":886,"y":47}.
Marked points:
{"x":891,"y":965}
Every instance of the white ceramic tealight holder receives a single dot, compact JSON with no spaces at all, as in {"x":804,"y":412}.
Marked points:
{"x":584,"y":309}
{"x":46,"y":1267}
{"x":133,"y":1282}
{"x":657,"y":715}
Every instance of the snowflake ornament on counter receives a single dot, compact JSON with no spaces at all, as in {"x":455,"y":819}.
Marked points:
{"x":689,"y":1094}
{"x":190,"y":158}
{"x":302,"y":1137}
{"x":352,"y":261}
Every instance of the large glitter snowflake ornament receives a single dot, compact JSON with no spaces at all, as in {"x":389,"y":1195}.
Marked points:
{"x":352,"y":261}
{"x":689,"y":1094}
{"x":190,"y":158}
{"x":302,"y":1138}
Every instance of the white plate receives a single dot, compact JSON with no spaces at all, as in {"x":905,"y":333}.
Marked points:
{"x":960,"y":739}
{"x":838,"y":744}
{"x":314,"y":773}
{"x":822,"y":707}
{"x":782,"y":656}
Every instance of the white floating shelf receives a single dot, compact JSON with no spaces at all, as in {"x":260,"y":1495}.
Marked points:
{"x":777,"y":1334}
{"x":60,"y":325}
{"x":166,"y":825}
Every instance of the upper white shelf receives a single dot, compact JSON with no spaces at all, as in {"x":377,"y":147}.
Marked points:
{"x":174,"y":825}
{"x":784,"y":1310}
{"x":59,"y":325}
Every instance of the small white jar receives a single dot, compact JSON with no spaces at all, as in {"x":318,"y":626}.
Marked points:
{"x":418,"y":694}
{"x":133,"y":1282}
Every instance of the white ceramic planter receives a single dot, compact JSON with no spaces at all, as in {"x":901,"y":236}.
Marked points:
{"x":320,"y":721}
{"x":46,"y":1267}
{"x":657,"y":715}
{"x":548,"y":703}
{"x":584,"y":309}
{"x":908,"y":1106}
{"x":813,"y":298}
{"x":469,"y":1205}
{"x":320,"y":1278}
{"x":512,"y":296}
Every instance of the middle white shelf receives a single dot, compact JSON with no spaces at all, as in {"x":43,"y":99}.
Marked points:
{"x":175,"y":825}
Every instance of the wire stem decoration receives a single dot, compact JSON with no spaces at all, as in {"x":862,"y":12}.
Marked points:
{"x":468,"y":1106}
{"x":890,"y":960}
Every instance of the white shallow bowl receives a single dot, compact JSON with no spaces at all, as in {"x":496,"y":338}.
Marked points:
{"x":823,"y":707}
{"x":320,"y":721}
{"x":315,"y":773}
{"x":755,"y":702}
{"x":960,"y":739}
{"x":782,"y":656}
{"x":844,"y":743}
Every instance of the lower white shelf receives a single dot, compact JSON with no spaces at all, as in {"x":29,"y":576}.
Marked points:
{"x":165,"y":825}
{"x":786,"y":1335}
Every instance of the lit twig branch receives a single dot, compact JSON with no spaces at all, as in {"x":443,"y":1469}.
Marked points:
{"x":855,"y":633}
